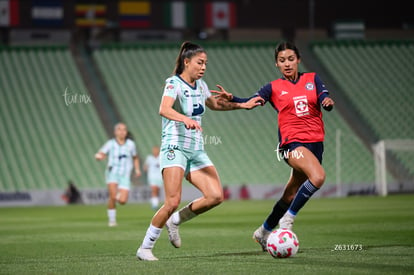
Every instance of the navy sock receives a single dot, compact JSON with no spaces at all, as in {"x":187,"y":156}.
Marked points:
{"x":302,"y":196}
{"x":279,"y":209}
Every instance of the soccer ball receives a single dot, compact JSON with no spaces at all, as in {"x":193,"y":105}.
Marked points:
{"x":282,"y":243}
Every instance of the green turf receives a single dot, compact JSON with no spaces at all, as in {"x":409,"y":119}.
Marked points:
{"x":76,"y":240}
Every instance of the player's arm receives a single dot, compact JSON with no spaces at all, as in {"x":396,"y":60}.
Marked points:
{"x":100,"y":156}
{"x":145,"y":165}
{"x":167,"y":111}
{"x":136,"y":166}
{"x":224,"y":101}
{"x":103,"y":151}
{"x":323,"y":95}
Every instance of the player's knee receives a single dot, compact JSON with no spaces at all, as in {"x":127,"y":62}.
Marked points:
{"x":171,"y":204}
{"x":318,"y":178}
{"x":112,"y":197}
{"x":122,"y":201}
{"x":215,"y":199}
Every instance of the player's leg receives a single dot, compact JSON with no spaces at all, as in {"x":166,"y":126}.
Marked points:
{"x":208,"y":182}
{"x":123,"y":189}
{"x":122,"y":196}
{"x":172,"y":177}
{"x":112,"y":192}
{"x":155,"y":193}
{"x":261,"y":234}
{"x":305,"y":162}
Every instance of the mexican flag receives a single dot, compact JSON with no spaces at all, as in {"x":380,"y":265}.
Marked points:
{"x":178,"y":14}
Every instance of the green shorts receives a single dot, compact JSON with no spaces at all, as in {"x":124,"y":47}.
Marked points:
{"x":122,"y":181}
{"x":188,"y":160}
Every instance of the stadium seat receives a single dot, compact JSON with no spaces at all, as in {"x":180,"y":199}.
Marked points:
{"x":46,"y":141}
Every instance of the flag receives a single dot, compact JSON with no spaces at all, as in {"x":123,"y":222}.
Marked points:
{"x":90,"y":15}
{"x":178,"y":14}
{"x":47,"y":13}
{"x":9,"y":13}
{"x":134,"y":14}
{"x":220,"y":15}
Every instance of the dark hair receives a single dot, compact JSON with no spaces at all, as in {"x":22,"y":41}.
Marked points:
{"x":285,"y":45}
{"x":187,"y":50}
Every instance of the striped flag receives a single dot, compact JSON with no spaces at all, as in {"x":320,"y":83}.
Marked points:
{"x":134,"y":14}
{"x":47,"y":13}
{"x":220,"y":15}
{"x":9,"y":13}
{"x":178,"y":14}
{"x":90,"y":15}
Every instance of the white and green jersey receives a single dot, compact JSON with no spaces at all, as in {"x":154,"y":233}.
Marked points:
{"x":120,"y":157}
{"x":189,"y":101}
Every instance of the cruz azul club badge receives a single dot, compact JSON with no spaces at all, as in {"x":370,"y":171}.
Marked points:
{"x":301,"y":105}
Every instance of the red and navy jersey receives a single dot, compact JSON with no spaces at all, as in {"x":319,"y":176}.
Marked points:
{"x":299,"y":107}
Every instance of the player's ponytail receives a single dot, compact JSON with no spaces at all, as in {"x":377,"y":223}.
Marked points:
{"x":187,"y":50}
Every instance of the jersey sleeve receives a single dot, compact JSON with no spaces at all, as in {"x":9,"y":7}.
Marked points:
{"x":265,"y":92}
{"x":321,"y":90}
{"x":133,"y":149}
{"x":206,"y":89}
{"x":106,"y":147}
{"x":171,"y":88}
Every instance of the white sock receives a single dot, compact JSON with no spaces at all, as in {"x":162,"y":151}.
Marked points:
{"x":112,"y":215}
{"x":154,"y":202}
{"x":183,"y":215}
{"x":152,"y":235}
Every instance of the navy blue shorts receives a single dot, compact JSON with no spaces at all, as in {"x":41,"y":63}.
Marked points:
{"x":315,"y":147}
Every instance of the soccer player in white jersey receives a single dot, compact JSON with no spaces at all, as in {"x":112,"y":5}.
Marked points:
{"x":154,"y":177}
{"x":182,"y":150}
{"x":122,"y":158}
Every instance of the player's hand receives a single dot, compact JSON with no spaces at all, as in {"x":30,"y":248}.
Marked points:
{"x":253,"y":103}
{"x":192,"y":124}
{"x":328,"y":103}
{"x":99,"y":156}
{"x":138,"y":173}
{"x":222,"y":94}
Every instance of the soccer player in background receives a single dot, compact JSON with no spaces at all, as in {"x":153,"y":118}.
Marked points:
{"x":154,"y":177}
{"x":182,"y":154}
{"x":122,"y":158}
{"x":297,"y":97}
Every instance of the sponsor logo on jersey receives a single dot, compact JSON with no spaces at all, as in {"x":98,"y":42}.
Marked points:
{"x":198,"y":109}
{"x":301,"y":105}
{"x":188,"y":94}
{"x":283,"y":93}
{"x":122,"y":156}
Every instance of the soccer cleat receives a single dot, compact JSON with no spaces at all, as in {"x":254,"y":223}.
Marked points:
{"x":112,"y":224}
{"x":286,"y":222}
{"x":260,"y":236}
{"x":145,"y":254}
{"x":173,"y":233}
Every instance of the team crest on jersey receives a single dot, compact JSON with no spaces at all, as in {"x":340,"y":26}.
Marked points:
{"x":171,"y":155}
{"x":309,"y":86}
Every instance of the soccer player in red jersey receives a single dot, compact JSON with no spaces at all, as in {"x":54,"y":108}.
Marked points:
{"x":297,"y":97}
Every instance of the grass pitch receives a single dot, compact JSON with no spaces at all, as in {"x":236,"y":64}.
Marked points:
{"x":357,"y":235}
